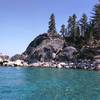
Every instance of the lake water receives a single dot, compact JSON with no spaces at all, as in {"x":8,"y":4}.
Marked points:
{"x":48,"y":84}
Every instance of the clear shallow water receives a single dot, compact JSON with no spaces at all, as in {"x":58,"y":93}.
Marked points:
{"x":48,"y":84}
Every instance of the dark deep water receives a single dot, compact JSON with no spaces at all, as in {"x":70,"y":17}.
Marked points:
{"x":48,"y":84}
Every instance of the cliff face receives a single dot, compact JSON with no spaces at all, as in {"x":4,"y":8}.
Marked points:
{"x":47,"y":48}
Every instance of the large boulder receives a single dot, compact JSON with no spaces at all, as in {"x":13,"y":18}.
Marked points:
{"x":43,"y":47}
{"x":67,"y":54}
{"x":18,"y":57}
{"x":36,"y":42}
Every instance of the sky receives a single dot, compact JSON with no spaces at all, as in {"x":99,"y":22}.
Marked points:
{"x":22,"y":20}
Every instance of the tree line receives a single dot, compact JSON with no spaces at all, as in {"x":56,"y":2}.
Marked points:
{"x":79,"y":30}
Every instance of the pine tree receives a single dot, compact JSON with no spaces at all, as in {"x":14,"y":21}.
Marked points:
{"x":62,"y":31}
{"x":66,"y":32}
{"x":69,"y":25}
{"x":96,"y":21}
{"x":78,"y":30}
{"x":72,"y":27}
{"x":83,"y":24}
{"x":89,"y":34}
{"x":52,"y":25}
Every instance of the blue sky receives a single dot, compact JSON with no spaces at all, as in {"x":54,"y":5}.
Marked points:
{"x":22,"y":20}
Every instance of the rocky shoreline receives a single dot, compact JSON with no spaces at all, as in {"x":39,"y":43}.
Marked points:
{"x":50,"y":51}
{"x":81,"y":64}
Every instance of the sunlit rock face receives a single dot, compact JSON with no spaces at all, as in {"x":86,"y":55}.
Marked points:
{"x":43,"y":47}
{"x":47,"y":47}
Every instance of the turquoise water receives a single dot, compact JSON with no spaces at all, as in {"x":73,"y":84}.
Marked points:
{"x":48,"y":84}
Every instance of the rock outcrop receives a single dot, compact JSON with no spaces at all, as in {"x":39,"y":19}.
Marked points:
{"x":4,"y":57}
{"x":67,"y":54}
{"x":42,"y":47}
{"x":46,"y":48}
{"x":18,"y":57}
